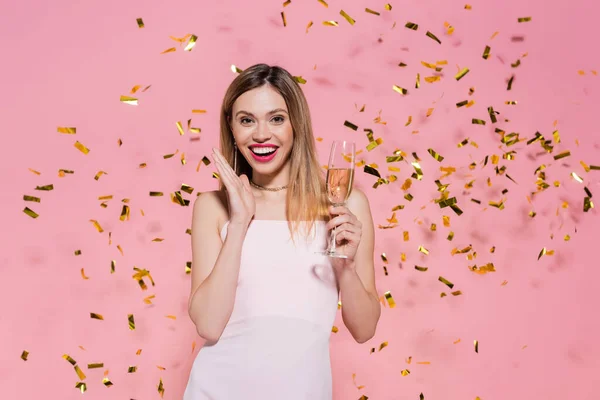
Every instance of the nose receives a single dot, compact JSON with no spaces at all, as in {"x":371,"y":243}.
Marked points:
{"x":262,"y":132}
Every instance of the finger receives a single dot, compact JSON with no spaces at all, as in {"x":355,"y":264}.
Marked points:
{"x":340,"y":219}
{"x":338,"y":210}
{"x":226,"y":170}
{"x":226,"y":177}
{"x":346,"y":227}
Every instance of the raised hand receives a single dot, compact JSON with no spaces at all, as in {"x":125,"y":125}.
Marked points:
{"x":239,"y":194}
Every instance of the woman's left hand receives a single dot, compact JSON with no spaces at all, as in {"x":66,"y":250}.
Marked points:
{"x":348,"y":230}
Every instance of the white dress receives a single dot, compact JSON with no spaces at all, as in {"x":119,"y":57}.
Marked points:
{"x":276,"y":343}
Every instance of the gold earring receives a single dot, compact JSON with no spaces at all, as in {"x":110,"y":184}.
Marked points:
{"x":235,"y":151}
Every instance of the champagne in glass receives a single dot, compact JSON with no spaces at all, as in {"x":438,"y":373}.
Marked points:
{"x":340,"y":174}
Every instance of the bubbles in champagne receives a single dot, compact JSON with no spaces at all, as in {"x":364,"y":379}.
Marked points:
{"x":339,"y":184}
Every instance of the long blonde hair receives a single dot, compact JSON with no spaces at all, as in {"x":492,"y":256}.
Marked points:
{"x":306,"y":198}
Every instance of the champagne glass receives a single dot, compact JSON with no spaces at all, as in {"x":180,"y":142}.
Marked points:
{"x":340,"y":174}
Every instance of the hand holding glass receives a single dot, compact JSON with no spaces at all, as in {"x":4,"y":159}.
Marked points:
{"x":340,"y":174}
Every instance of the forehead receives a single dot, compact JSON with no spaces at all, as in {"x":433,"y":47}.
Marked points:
{"x":259,"y":101}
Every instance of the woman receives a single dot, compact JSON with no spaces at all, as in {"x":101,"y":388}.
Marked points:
{"x":260,"y":296}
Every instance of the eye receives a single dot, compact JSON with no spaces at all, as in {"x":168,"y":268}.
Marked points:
{"x":278,"y":119}
{"x":245,"y":121}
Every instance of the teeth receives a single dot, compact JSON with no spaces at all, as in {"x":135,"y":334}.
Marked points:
{"x":263,"y":150}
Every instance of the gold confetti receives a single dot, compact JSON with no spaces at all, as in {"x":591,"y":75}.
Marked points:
{"x":422,"y":269}
{"x":486,"y":52}
{"x":348,"y":18}
{"x":140,"y":22}
{"x":308,"y":26}
{"x":95,"y":365}
{"x":411,"y":25}
{"x":330,"y":23}
{"x":129,"y":100}
{"x":323,"y":3}
{"x":564,"y":154}
{"x":24,"y":355}
{"x":96,"y":316}
{"x":132,"y":369}
{"x":468,"y":7}
{"x":576,"y":177}
{"x":131,"y":322}
{"x":476,"y":121}
{"x":423,"y":250}
{"x":161,"y":389}
{"x":476,"y":344}
{"x":462,"y":73}
{"x":400,"y":89}
{"x":405,"y":372}
{"x":489,"y":267}
{"x":432,"y":36}
{"x":388,"y":7}
{"x":350,"y":125}
{"x":390,"y":299}
{"x":283,"y":18}
{"x":435,"y":155}
{"x":287,"y":3}
{"x":79,"y":146}
{"x":300,"y":79}
{"x":191,"y":43}
{"x":524,"y":19}
{"x":446,"y":282}
{"x":67,"y":130}
{"x":334,"y":329}
{"x":382,"y":345}
{"x":371,"y":11}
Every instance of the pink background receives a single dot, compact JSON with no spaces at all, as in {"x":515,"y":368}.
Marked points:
{"x":66,"y":63}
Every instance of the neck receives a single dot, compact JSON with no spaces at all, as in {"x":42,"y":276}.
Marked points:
{"x":271,"y":181}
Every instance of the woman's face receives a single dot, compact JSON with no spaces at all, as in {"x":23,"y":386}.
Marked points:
{"x":262,"y":129}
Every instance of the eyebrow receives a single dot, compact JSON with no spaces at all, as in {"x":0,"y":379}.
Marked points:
{"x":269,"y":113}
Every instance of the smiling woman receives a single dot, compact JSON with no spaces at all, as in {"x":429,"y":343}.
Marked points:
{"x":261,"y":296}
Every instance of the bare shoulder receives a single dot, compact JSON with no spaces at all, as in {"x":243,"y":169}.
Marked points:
{"x":211,"y":207}
{"x":358,"y":202}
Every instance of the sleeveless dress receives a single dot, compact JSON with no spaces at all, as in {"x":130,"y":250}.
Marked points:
{"x":276,"y":343}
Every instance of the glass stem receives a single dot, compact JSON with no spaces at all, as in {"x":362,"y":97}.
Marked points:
{"x":332,"y":244}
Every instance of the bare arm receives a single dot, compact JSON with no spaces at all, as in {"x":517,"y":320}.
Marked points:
{"x":360,"y":302}
{"x":216,"y":264}
{"x":215,"y":269}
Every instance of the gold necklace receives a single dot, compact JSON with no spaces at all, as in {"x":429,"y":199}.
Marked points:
{"x":275,"y":189}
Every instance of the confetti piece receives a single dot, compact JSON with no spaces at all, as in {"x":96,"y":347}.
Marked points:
{"x":476,"y":121}
{"x":235,"y":69}
{"x":422,"y":269}
{"x":462,"y":73}
{"x":411,"y":25}
{"x":300,"y":79}
{"x":524,"y":19}
{"x":169,"y":50}
{"x":129,"y":100}
{"x":348,"y":18}
{"x":468,"y":7}
{"x":283,"y":18}
{"x":400,"y":89}
{"x":350,"y":125}
{"x":132,"y":369}
{"x":67,"y":130}
{"x":486,"y":52}
{"x":131,"y":322}
{"x":489,"y":267}
{"x":564,"y":154}
{"x":330,"y":23}
{"x":435,"y":155}
{"x":191,"y":43}
{"x":287,"y":3}
{"x":476,"y":344}
{"x":446,"y":282}
{"x":308,"y":26}
{"x":140,"y":22}
{"x":96,"y":316}
{"x":404,"y":372}
{"x":432,"y":36}
{"x":24,"y":355}
{"x":388,"y":7}
{"x":390,"y":299}
{"x":161,"y":389}
{"x":334,"y":329}
{"x":323,"y":3}
{"x":371,"y":11}
{"x":510,"y":82}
